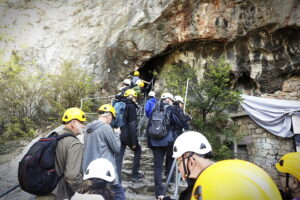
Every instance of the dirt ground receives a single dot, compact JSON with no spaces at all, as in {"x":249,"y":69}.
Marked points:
{"x":9,"y":173}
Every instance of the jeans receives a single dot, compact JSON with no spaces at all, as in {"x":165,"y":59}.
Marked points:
{"x":159,"y":154}
{"x":119,"y":192}
{"x":135,"y":162}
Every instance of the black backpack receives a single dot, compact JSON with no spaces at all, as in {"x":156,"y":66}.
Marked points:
{"x":159,"y":121}
{"x":36,"y":172}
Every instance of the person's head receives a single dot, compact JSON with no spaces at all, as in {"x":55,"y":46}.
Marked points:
{"x":179,"y":101}
{"x":98,"y":178}
{"x":167,"y":98}
{"x":131,"y":94}
{"x":151,"y":94}
{"x":74,"y":119}
{"x":106,"y":113}
{"x":136,"y":73}
{"x":140,"y":83}
{"x":235,"y":179}
{"x":127,"y":82}
{"x":289,"y":166}
{"x":192,"y":152}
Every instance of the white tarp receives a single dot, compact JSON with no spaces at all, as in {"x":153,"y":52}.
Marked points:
{"x":273,"y":115}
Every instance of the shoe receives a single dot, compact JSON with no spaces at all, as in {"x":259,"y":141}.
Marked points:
{"x":138,"y":177}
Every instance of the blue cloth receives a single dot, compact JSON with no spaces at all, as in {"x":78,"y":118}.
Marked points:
{"x":149,"y":106}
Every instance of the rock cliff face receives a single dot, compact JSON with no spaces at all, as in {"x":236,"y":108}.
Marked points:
{"x":260,"y":38}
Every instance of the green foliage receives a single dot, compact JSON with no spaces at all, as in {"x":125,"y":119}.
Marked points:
{"x":208,"y":101}
{"x":32,"y":98}
{"x":68,"y":87}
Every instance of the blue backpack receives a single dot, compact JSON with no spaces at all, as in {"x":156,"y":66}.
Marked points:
{"x":120,"y":110}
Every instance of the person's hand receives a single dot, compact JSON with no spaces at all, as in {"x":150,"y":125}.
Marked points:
{"x":162,"y":197}
{"x":133,"y":147}
{"x":117,"y":130}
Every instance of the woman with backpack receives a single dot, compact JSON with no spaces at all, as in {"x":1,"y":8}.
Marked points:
{"x":97,"y":181}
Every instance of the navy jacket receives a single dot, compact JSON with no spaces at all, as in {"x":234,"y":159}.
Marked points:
{"x":129,"y":131}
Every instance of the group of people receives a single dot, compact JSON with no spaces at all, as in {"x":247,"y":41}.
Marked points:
{"x":93,"y":170}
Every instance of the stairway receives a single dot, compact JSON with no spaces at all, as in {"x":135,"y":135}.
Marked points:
{"x":143,"y":190}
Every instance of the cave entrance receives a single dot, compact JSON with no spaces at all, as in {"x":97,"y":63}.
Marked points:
{"x":150,"y":68}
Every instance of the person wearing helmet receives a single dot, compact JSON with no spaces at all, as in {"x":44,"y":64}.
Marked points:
{"x":129,"y":135}
{"x":139,"y":86}
{"x":97,"y":180}
{"x":289,"y":167}
{"x":126,"y":86}
{"x":192,"y":152}
{"x":135,"y":78}
{"x":101,"y":142}
{"x":69,"y":152}
{"x":235,"y":179}
{"x":150,"y":103}
{"x":179,"y":105}
{"x":163,"y":147}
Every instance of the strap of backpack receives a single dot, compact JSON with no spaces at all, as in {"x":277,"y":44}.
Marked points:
{"x":58,"y":137}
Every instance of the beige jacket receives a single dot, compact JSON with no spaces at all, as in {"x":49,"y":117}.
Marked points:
{"x":68,"y":161}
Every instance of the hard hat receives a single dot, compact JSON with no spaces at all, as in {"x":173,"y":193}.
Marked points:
{"x":136,"y":73}
{"x":179,"y":99}
{"x":129,"y":92}
{"x":191,"y":141}
{"x":74,"y":113}
{"x":235,"y":180}
{"x":127,"y":81}
{"x":290,"y":163}
{"x":100,"y":168}
{"x":108,"y":108}
{"x":151,"y":94}
{"x":167,"y":95}
{"x":140,"y":83}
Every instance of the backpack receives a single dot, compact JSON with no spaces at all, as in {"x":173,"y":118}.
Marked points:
{"x":158,"y":124}
{"x":120,"y":110}
{"x":36,"y":172}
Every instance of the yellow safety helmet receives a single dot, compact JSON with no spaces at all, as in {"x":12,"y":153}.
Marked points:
{"x":140,"y":83}
{"x":129,"y":92}
{"x":290,"y":163}
{"x":136,"y":73}
{"x":74,"y":113}
{"x":235,"y":180}
{"x":108,"y":108}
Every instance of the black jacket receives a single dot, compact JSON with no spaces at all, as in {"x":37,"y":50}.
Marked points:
{"x":129,"y":131}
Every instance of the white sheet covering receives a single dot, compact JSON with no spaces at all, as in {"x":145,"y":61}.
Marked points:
{"x":273,"y":115}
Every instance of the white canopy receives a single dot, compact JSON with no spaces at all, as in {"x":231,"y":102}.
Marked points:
{"x":273,"y":115}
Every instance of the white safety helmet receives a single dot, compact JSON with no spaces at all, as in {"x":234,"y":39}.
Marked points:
{"x":100,"y":168}
{"x":151,"y":94}
{"x":167,"y":95}
{"x":191,"y":141}
{"x":127,"y":81}
{"x":179,"y":99}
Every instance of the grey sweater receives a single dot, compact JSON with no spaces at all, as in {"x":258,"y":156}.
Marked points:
{"x":100,"y":142}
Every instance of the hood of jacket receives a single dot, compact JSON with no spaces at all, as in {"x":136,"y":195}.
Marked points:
{"x":94,"y":125}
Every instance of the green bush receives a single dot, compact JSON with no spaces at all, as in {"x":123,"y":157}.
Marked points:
{"x":32,"y":98}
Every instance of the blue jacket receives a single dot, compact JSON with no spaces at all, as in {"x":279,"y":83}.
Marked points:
{"x":149,"y":106}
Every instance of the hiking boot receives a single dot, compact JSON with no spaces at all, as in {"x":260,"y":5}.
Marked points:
{"x":138,"y":177}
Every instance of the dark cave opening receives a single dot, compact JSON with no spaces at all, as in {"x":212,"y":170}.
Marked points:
{"x":150,"y":68}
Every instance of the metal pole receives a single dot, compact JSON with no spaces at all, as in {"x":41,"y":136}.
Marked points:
{"x":169,"y":177}
{"x":8,"y":191}
{"x":186,"y":91}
